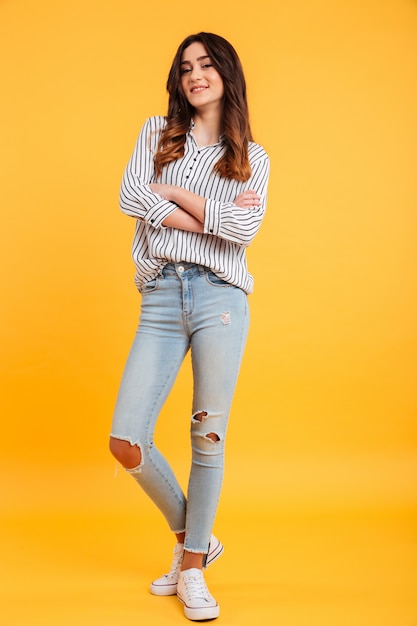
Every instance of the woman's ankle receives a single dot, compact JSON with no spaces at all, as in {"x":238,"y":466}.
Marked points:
{"x":192,"y":560}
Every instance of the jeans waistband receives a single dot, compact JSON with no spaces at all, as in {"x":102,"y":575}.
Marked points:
{"x":184,"y":266}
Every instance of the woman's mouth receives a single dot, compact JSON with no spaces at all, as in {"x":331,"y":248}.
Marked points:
{"x":198,"y":89}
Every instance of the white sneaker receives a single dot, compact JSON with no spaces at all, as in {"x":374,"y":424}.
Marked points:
{"x":192,"y":591}
{"x":166,"y":585}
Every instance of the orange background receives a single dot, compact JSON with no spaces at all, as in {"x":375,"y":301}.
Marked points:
{"x":324,"y":422}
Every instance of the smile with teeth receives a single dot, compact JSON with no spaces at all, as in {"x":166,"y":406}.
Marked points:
{"x":198,"y":89}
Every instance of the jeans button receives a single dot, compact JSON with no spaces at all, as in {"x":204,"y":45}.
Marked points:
{"x":180,"y":269}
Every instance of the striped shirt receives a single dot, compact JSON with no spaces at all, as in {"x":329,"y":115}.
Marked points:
{"x":228,"y":229}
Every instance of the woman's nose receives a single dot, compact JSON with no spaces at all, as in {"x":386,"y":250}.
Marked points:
{"x":195,"y":73}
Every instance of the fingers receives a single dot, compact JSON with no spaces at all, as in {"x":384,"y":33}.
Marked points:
{"x":254,"y":198}
{"x":248,"y":199}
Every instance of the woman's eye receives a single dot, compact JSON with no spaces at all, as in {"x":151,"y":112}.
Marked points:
{"x":185,"y":70}
{"x":207,"y":65}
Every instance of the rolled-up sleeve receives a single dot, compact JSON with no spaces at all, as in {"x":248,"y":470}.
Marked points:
{"x":136,"y":197}
{"x":228,"y":221}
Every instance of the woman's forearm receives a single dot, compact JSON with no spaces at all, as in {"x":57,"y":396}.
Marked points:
{"x":190,"y":202}
{"x":182,"y":220}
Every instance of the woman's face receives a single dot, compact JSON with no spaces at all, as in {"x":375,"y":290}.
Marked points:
{"x":200,"y":81}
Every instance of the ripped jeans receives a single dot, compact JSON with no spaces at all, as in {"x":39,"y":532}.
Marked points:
{"x":186,"y":307}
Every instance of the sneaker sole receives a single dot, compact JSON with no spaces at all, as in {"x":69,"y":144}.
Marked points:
{"x":196,"y":615}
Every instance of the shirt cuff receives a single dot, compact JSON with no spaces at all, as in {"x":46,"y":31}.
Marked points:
{"x":212,"y":217}
{"x":159,"y":212}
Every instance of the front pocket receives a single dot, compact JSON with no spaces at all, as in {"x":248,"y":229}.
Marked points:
{"x":151,"y":285}
{"x":214,"y":280}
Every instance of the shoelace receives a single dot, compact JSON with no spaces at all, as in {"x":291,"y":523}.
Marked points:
{"x":196,"y":587}
{"x":176,"y":562}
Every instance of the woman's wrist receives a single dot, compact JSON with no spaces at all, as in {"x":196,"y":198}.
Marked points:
{"x":174,"y":194}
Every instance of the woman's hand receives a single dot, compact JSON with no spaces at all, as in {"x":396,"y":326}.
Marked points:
{"x":248,"y":199}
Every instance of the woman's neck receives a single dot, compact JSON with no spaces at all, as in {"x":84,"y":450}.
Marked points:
{"x":207,"y":128}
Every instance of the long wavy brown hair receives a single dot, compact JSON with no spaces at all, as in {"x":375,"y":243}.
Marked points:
{"x":236,"y":130}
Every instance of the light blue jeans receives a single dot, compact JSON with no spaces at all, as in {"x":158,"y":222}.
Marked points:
{"x":186,"y":307}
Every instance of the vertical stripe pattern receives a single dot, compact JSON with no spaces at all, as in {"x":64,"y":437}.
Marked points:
{"x":228,"y":229}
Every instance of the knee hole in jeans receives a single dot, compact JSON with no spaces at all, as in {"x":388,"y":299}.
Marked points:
{"x":200,"y":416}
{"x":127,"y":454}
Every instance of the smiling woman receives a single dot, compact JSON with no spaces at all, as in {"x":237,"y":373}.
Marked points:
{"x":201,"y":82}
{"x":233,"y":107}
{"x":318,"y":510}
{"x":196,"y":185}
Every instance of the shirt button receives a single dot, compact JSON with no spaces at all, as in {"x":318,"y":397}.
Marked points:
{"x":180,"y":269}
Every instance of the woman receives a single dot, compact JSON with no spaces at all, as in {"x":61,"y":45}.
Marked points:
{"x":196,"y":185}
